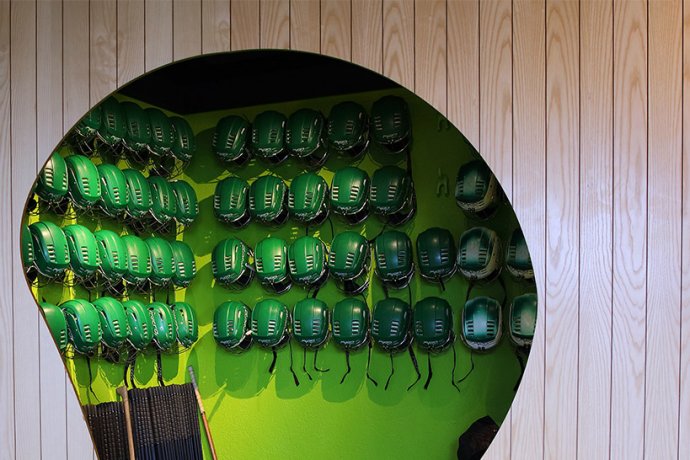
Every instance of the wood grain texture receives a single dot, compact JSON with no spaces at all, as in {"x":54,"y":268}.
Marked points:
{"x":596,"y":169}
{"x":245,"y":26}
{"x":305,"y":25}
{"x":130,"y":40}
{"x":336,"y":28}
{"x":664,"y":221}
{"x":275,"y":24}
{"x":367,"y":34}
{"x":158,"y":33}
{"x":684,"y":403}
{"x":629,"y":229}
{"x":430,"y":53}
{"x":398,"y":42}
{"x":186,"y":28}
{"x":103,"y":49}
{"x":215,"y":26}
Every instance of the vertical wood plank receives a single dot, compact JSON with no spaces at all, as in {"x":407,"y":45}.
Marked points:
{"x":215,"y":26}
{"x":664,"y":217}
{"x":130,"y":40}
{"x":596,"y":169}
{"x":629,"y":229}
{"x":186,"y":28}
{"x":684,"y":410}
{"x":398,"y":42}
{"x":245,"y":26}
{"x":305,"y":25}
{"x":336,"y":28}
{"x":367,"y":34}
{"x":430,"y":52}
{"x":275,"y":24}
{"x":103,"y":49}
{"x":158,"y":33}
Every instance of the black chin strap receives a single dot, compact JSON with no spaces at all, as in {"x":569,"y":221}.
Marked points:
{"x":129,"y":365}
{"x":452,"y":373}
{"x":428,"y":377}
{"x":471,"y":367}
{"x":159,"y":362}
{"x":521,"y":360}
{"x":304,"y":363}
{"x":294,"y":376}
{"x":347,"y":361}
{"x":273,"y":362}
{"x":416,"y":366}
{"x":443,"y":286}
{"x":88,"y":366}
{"x":368,"y":364}
{"x":316,"y":353}
{"x":392,"y":371}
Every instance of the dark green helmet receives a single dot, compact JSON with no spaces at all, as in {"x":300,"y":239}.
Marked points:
{"x":83,"y":250}
{"x":52,"y":183}
{"x":270,"y":259}
{"x":57,"y":324}
{"x":113,"y":130}
{"x":84,"y":132}
{"x":164,"y":327}
{"x":162,"y":263}
{"x":433,"y":324}
{"x":308,"y":198}
{"x":523,"y":319}
{"x":479,"y":254}
{"x":518,"y":260}
{"x":270,"y":323}
{"x":230,"y":202}
{"x":348,"y":129}
{"x":84,"y":182}
{"x":139,"y":200}
{"x":112,"y":254}
{"x":187,"y":202}
{"x":51,"y":254}
{"x":231,"y":326}
{"x":186,"y":322}
{"x":268,"y":132}
{"x":231,"y":264}
{"x":138,"y":260}
{"x":184,"y":145}
{"x":349,"y":261}
{"x":185,"y":265}
{"x":28,"y":253}
{"x":162,"y":133}
{"x":436,"y":254}
{"x":305,"y":136}
{"x":390,"y":122}
{"x":230,"y":140}
{"x":83,"y":325}
{"x":350,"y":194}
{"x":310,"y":323}
{"x":113,"y":321}
{"x":392,"y":195}
{"x":113,"y":190}
{"x":477,"y":191}
{"x":390,"y":324}
{"x":267,"y":200}
{"x":393,"y":255}
{"x":350,"y":323}
{"x":163,"y":202}
{"x":308,"y":261}
{"x":481,"y":323}
{"x":138,"y":135}
{"x":139,"y":323}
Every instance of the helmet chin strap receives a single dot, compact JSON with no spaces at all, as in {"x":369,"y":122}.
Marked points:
{"x":416,"y":366}
{"x":294,"y":376}
{"x":392,"y":371}
{"x":430,"y":374}
{"x":304,"y":363}
{"x":368,"y":364}
{"x":316,"y":354}
{"x":347,"y":361}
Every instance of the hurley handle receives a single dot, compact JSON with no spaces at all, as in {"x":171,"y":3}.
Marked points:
{"x":203,"y":413}
{"x":122,"y":391}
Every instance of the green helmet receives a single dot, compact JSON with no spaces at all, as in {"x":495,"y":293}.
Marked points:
{"x":186,"y":322}
{"x":523,"y":319}
{"x":51,"y":254}
{"x":270,"y":323}
{"x":390,"y":324}
{"x":350,"y":323}
{"x":84,"y":182}
{"x":162,"y":133}
{"x":185,"y":265}
{"x":477,"y":191}
{"x":184,"y":145}
{"x":138,"y":260}
{"x":113,"y":130}
{"x":164,"y":327}
{"x":305,"y":136}
{"x":267,"y":200}
{"x":51,"y":186}
{"x":187,"y":203}
{"x":270,"y":259}
{"x":138,"y":135}
{"x":310,"y":322}
{"x":112,"y":254}
{"x":479,"y":254}
{"x":433,"y":324}
{"x":348,"y":129}
{"x":230,"y":201}
{"x":436,"y":254}
{"x":139,"y":324}
{"x":308,"y":261}
{"x":349,"y":262}
{"x":113,"y":190}
{"x":307,"y":198}
{"x":230,"y":140}
{"x":231,"y":326}
{"x":481,"y":323}
{"x":518,"y":260}
{"x":390,"y":121}
{"x":268,"y":132}
{"x":392,"y":195}
{"x":83,"y":325}
{"x":139,"y":200}
{"x":350,"y":194}
{"x":230,"y":263}
{"x":393,"y":255}
{"x":28,"y":253}
{"x":163,"y":201}
{"x":57,"y":324}
{"x":113,"y":321}
{"x":83,"y":134}
{"x":83,"y":250}
{"x":162,"y":263}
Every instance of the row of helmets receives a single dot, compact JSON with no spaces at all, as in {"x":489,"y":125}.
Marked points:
{"x":311,"y":137}
{"x":104,"y":258}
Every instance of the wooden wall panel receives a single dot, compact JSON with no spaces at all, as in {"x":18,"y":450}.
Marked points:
{"x":336,"y":31}
{"x":130,"y":40}
{"x":305,"y":25}
{"x":367,"y":34}
{"x":684,"y":405}
{"x":275,"y":24}
{"x":158,"y":33}
{"x":103,"y":49}
{"x":186,"y":29}
{"x":398,"y":42}
{"x":245,"y":26}
{"x":215,"y":26}
{"x":430,"y":53}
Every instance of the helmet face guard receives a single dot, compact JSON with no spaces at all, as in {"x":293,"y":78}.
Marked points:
{"x":518,"y":260}
{"x":307,"y":199}
{"x":393,"y":255}
{"x":82,"y":136}
{"x":83,"y":325}
{"x":139,"y":201}
{"x":113,"y":322}
{"x":392,"y":195}
{"x":348,"y":129}
{"x":83,"y":251}
{"x":51,"y":253}
{"x":84,"y":185}
{"x":433,"y":324}
{"x":305,"y":137}
{"x":113,"y":128}
{"x":230,"y":201}
{"x":138,"y":135}
{"x":523,"y":319}
{"x":268,"y":133}
{"x":310,"y":321}
{"x":436,"y":254}
{"x":57,"y":324}
{"x":390,"y":120}
{"x":307,"y":260}
{"x":481,"y":323}
{"x":139,"y":323}
{"x":162,"y":262}
{"x":231,"y":327}
{"x":479,"y":254}
{"x":163,"y":201}
{"x":350,"y":194}
{"x":231,"y":140}
{"x":164,"y":327}
{"x":349,"y":261}
{"x":477,"y":191}
{"x":187,"y":208}
{"x":138,"y":261}
{"x":113,"y":190}
{"x":268,"y":200}
{"x":231,"y":265}
{"x":184,"y":264}
{"x":186,"y":322}
{"x":112,"y":254}
{"x":52,"y":184}
{"x":270,"y":259}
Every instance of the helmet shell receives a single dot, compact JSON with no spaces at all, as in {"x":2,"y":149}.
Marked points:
{"x":390,"y":122}
{"x":348,"y":128}
{"x":267,"y":199}
{"x":393,"y":255}
{"x":433,"y":324}
{"x":83,"y":181}
{"x":186,"y":322}
{"x":231,"y":327}
{"x":83,"y":325}
{"x":310,"y":319}
{"x":139,"y":324}
{"x":350,"y":323}
{"x":27,"y":249}
{"x":113,"y":129}
{"x":51,"y":253}
{"x":308,"y":198}
{"x":138,"y":260}
{"x":187,"y":204}
{"x":162,"y":134}
{"x":270,"y":259}
{"x":162,"y":262}
{"x":52,"y":181}
{"x":390,"y":324}
{"x":349,"y":260}
{"x":83,"y":250}
{"x":230,"y":263}
{"x":518,"y":260}
{"x":307,"y":260}
{"x":139,"y":201}
{"x":230,"y":201}
{"x":391,"y":193}
{"x":481,"y":323}
{"x":184,"y":143}
{"x":184,"y":263}
{"x":113,"y":190}
{"x":523,"y":319}
{"x":86,"y":129}
{"x":268,"y":133}
{"x":350,"y":194}
{"x":231,"y":138}
{"x":164,"y":327}
{"x":113,"y":321}
{"x":436,"y":254}
{"x":138,"y":135}
{"x":305,"y":136}
{"x":57,"y":324}
{"x":112,"y":254}
{"x":270,"y":323}
{"x":479,"y":254}
{"x":163,"y":201}
{"x":477,"y":191}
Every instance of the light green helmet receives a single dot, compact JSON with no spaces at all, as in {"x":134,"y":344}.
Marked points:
{"x":83,"y":325}
{"x":481,"y":323}
{"x":164,"y":326}
{"x":268,"y":200}
{"x":139,"y":323}
{"x":268,"y":132}
{"x":139,"y":195}
{"x":113,"y":321}
{"x":83,"y":251}
{"x":186,"y":322}
{"x":270,"y":259}
{"x":138,"y":261}
{"x":231,"y":328}
{"x":350,"y":194}
{"x":84,"y":185}
{"x":479,"y":254}
{"x":231,"y":140}
{"x":112,"y":255}
{"x":57,"y":324}
{"x":114,"y":196}
{"x":231,"y":203}
{"x":390,"y":121}
{"x":349,"y":261}
{"x":308,"y":198}
{"x":477,"y":191}
{"x":305,"y":136}
{"x":51,"y":253}
{"x":185,"y":265}
{"x":307,"y":260}
{"x":348,"y":129}
{"x":52,"y":183}
{"x":231,"y":263}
